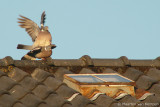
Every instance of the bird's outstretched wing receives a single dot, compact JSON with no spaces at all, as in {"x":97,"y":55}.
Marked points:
{"x":43,"y":17}
{"x":31,"y":27}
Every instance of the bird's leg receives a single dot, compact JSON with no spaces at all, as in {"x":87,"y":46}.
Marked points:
{"x":46,"y":59}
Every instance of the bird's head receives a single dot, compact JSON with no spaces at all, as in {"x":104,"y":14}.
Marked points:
{"x":44,"y":28}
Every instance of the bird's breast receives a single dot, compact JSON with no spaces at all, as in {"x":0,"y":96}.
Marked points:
{"x":43,"y":39}
{"x":44,"y":54}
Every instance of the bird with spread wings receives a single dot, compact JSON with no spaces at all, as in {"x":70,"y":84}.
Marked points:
{"x":41,"y":37}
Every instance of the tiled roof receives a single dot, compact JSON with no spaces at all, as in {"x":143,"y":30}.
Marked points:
{"x":38,"y":83}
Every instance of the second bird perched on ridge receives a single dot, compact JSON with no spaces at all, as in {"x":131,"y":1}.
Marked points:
{"x":42,"y":47}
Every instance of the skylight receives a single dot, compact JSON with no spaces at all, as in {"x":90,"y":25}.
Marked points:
{"x":86,"y":78}
{"x":98,"y":78}
{"x":108,"y":83}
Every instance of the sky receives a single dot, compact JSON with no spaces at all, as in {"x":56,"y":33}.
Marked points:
{"x":98,"y":28}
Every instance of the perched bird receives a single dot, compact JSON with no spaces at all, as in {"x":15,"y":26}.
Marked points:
{"x":41,"y":37}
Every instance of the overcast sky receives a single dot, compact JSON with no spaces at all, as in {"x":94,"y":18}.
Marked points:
{"x":98,"y":28}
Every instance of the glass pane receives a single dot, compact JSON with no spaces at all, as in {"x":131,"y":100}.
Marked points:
{"x":113,"y":78}
{"x":86,"y":79}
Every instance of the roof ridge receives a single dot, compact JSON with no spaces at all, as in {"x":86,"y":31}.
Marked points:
{"x":83,"y":62}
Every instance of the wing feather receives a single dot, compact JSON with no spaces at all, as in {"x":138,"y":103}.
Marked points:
{"x":31,"y":27}
{"x":43,"y":17}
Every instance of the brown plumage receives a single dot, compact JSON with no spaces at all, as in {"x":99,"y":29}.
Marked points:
{"x":40,"y":36}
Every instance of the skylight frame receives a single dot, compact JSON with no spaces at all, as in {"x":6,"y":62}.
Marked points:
{"x":67,"y":76}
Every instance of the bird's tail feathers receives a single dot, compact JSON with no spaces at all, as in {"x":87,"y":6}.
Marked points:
{"x":26,"y":47}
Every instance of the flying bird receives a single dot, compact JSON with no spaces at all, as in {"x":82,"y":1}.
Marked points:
{"x":41,"y":37}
